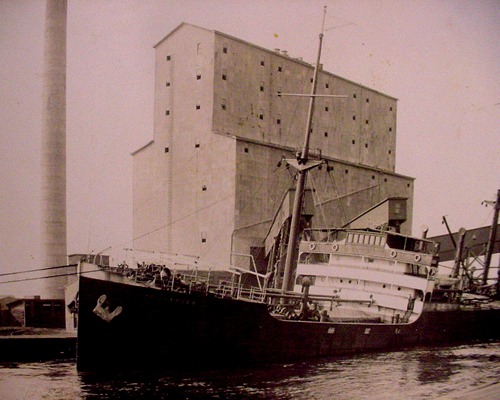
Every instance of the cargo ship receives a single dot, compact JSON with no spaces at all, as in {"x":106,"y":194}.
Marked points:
{"x":335,"y":290}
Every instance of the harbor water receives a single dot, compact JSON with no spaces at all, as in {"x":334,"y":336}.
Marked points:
{"x":424,"y":373}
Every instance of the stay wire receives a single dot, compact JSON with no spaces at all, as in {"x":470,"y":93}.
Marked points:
{"x":51,"y":276}
{"x":38,"y":269}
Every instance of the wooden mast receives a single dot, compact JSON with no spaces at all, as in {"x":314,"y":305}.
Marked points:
{"x":303,"y":165}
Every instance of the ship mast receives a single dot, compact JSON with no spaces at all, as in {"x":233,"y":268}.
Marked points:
{"x":303,"y":165}
{"x":491,"y":239}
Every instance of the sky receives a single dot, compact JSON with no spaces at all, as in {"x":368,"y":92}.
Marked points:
{"x":440,"y":59}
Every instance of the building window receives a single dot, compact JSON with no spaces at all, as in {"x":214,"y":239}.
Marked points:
{"x":246,"y":149}
{"x":326,"y":134}
{"x":280,"y":68}
{"x":326,"y":108}
{"x":366,"y":122}
{"x":390,"y":151}
{"x":354,"y":95}
{"x":354,"y":118}
{"x":197,"y":145}
{"x":198,"y":106}
{"x":223,"y":104}
{"x":367,"y":100}
{"x":203,"y":235}
{"x":278,"y":121}
{"x":262,"y":63}
{"x":329,"y":168}
{"x":261,"y":116}
{"x":390,"y":108}
{"x":353,"y":141}
{"x":346,"y":171}
{"x":390,"y":129}
{"x":167,"y":149}
{"x":327,"y":85}
{"x":169,"y":58}
{"x":198,"y":75}
{"x":366,"y":145}
{"x":224,"y":49}
{"x":167,"y":112}
{"x":261,"y":86}
{"x":224,"y":74}
{"x":167,"y":84}
{"x":204,"y":188}
{"x":373,"y":176}
{"x":385,"y":179}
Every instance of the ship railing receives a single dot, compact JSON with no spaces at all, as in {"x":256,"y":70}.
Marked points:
{"x":274,"y":296}
{"x":225,"y":290}
{"x":238,"y":291}
{"x":253,"y":294}
{"x":391,"y":239}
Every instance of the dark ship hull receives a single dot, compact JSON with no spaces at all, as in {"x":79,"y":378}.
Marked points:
{"x":163,"y":329}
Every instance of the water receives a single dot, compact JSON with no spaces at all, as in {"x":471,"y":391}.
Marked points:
{"x":416,"y":374}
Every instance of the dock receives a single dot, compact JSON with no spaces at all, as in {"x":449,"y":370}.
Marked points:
{"x":32,"y":345}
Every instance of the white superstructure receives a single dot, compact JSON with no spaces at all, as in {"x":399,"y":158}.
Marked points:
{"x":373,"y":274}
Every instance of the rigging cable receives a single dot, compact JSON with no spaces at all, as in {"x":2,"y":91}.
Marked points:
{"x":246,"y":204}
{"x":341,"y":206}
{"x":317,"y":203}
{"x":38,"y":269}
{"x":49,"y":277}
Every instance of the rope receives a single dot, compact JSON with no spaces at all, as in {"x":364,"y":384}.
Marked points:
{"x":49,"y":277}
{"x":316,"y":199}
{"x":38,"y":269}
{"x":341,"y":206}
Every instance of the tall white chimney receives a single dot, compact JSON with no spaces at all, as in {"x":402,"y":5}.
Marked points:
{"x":53,"y":166}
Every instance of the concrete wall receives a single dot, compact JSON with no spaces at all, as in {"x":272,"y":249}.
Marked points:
{"x":341,"y":192}
{"x":184,"y":180}
{"x":360,"y":128}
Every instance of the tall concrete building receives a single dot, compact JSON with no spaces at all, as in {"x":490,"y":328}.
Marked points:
{"x":208,"y":183}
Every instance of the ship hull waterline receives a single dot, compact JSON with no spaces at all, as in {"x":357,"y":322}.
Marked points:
{"x":163,"y":329}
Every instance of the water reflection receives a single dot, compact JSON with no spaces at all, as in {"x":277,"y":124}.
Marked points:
{"x":415,"y":374}
{"x":436,"y":366}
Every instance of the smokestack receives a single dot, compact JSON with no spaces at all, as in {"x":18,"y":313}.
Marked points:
{"x":53,"y":166}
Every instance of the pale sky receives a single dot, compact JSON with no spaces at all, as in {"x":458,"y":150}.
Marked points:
{"x":441,"y":59}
